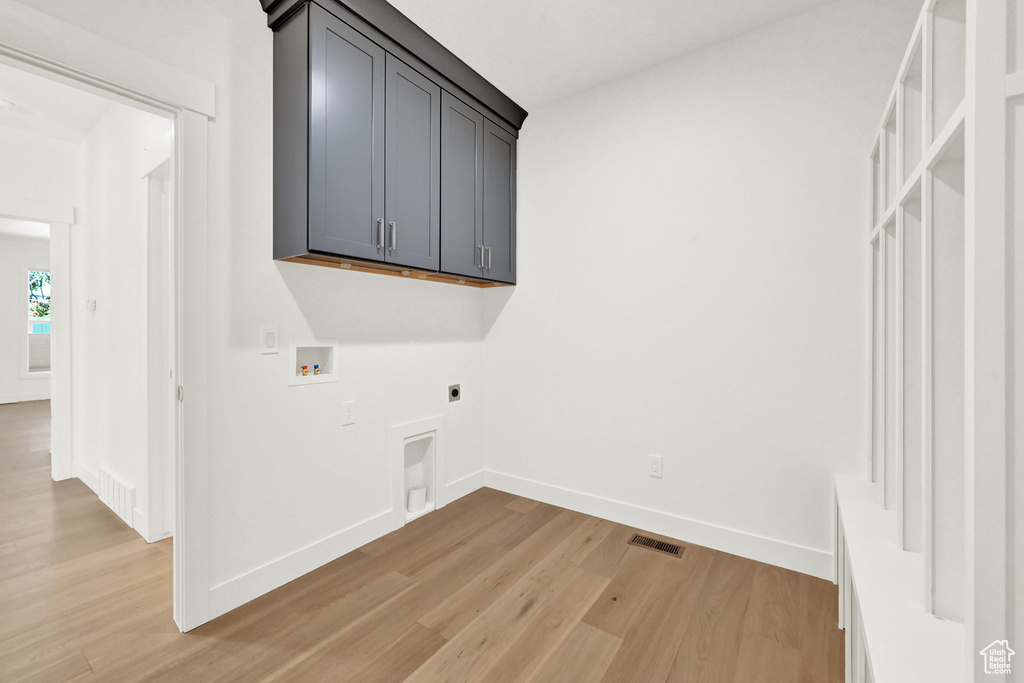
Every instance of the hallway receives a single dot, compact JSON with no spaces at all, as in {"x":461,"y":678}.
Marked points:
{"x":76,"y":583}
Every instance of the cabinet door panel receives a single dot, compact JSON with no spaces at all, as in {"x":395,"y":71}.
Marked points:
{"x":346,"y":161}
{"x":413,"y":168}
{"x":499,"y":199}
{"x":461,"y":187}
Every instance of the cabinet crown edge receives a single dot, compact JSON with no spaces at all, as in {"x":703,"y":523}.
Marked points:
{"x":385,"y":18}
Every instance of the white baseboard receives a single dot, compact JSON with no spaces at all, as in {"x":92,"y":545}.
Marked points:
{"x":20,"y":398}
{"x":235,"y":592}
{"x":87,"y":476}
{"x":771,"y":551}
{"x":252,"y":584}
{"x":140,"y":522}
{"x":465,"y":486}
{"x":249,"y":586}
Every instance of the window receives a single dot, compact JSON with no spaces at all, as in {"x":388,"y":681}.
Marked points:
{"x":38,"y":321}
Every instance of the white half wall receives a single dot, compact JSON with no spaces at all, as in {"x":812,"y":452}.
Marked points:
{"x":17,"y":256}
{"x":691,"y":285}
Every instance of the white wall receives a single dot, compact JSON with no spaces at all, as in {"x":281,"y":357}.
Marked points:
{"x":691,"y":267}
{"x":109,"y":244}
{"x":38,"y":167}
{"x":17,"y":256}
{"x":45,"y":170}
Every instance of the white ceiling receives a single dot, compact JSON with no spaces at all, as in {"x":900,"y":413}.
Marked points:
{"x":46,"y":107}
{"x":13,"y":228}
{"x":538,"y":51}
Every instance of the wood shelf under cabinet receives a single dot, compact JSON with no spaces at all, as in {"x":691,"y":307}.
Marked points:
{"x":387,"y":269}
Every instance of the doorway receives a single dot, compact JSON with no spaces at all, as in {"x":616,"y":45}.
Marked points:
{"x":115,"y":312}
{"x":45,"y":45}
{"x":98,"y":319}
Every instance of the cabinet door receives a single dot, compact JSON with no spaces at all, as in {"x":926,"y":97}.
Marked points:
{"x":499,"y":199}
{"x":346,"y":145}
{"x":413,"y":168}
{"x":462,"y":137}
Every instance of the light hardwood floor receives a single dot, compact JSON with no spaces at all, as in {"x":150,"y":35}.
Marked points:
{"x":490,"y":588}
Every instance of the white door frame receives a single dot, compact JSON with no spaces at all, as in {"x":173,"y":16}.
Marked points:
{"x":37,"y":42}
{"x":59,"y":218}
{"x":160,"y":300}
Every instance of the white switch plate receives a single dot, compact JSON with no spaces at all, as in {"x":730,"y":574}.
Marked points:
{"x":655,"y":469}
{"x":269,"y":340}
{"x":348,"y":413}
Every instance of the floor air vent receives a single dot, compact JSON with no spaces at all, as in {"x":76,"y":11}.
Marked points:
{"x":654,"y":544}
{"x":118,"y":496}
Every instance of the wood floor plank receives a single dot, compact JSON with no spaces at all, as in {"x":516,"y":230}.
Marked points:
{"x":70,"y":630}
{"x":358,"y":646}
{"x":474,"y":649}
{"x":584,"y":656}
{"x":429,"y":547}
{"x":765,"y":660}
{"x":776,"y":605}
{"x":521,"y":504}
{"x":649,"y":647}
{"x":552,"y":621}
{"x":605,"y":558}
{"x":627,"y":594}
{"x":492,"y":587}
{"x":708,"y":650}
{"x":819,"y":633}
{"x":296,"y":637}
{"x":155,"y":644}
{"x":414,"y":647}
{"x":69,"y":667}
{"x":452,"y":615}
{"x":78,"y":583}
{"x":770,"y":637}
{"x":463,"y":509}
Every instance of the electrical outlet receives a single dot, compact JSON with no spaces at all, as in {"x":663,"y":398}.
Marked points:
{"x":348,"y":413}
{"x":655,"y":468}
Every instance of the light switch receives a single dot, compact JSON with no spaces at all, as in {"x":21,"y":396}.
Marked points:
{"x":268,"y":340}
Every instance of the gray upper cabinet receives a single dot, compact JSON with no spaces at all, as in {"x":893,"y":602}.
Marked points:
{"x":346,"y":160}
{"x":478,"y":189}
{"x":390,"y":154}
{"x":499,"y":164}
{"x":462,"y":234}
{"x":413,"y":168}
